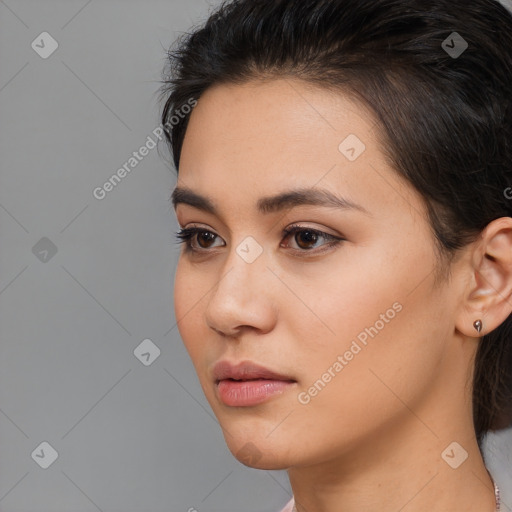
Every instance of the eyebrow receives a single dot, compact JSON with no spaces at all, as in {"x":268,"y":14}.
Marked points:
{"x":270,"y":204}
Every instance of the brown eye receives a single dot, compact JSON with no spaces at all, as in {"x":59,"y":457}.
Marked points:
{"x":206,"y":237}
{"x":198,"y":240}
{"x":306,"y":239}
{"x":195,"y":236}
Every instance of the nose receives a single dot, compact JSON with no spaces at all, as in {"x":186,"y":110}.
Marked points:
{"x":243,"y":297}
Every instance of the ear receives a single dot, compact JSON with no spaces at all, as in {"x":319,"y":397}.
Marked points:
{"x":488,"y":296}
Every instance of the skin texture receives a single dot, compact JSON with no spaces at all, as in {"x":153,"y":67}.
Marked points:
{"x":372,"y":439}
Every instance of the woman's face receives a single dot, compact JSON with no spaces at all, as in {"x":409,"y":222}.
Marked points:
{"x":354,"y":325}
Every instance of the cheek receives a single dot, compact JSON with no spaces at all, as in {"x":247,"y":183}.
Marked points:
{"x":371,"y":382}
{"x":189,"y":291}
{"x":377,"y":319}
{"x":357,"y":290}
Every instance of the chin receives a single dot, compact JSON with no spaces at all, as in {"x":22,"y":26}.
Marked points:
{"x":258,"y":455}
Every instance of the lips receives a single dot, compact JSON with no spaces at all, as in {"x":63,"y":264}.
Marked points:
{"x":245,"y":371}
{"x":247,"y":384}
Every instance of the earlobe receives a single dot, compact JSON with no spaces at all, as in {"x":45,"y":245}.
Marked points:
{"x":488,"y":300}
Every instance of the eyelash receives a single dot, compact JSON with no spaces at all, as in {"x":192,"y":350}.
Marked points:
{"x":187,"y":234}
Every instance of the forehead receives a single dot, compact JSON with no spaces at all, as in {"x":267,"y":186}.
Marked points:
{"x":247,"y":141}
{"x":269,"y":130}
{"x":290,"y":108}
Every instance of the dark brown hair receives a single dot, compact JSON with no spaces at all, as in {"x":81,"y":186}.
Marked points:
{"x":445,"y":116}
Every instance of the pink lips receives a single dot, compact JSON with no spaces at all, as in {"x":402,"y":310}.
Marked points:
{"x":247,"y":383}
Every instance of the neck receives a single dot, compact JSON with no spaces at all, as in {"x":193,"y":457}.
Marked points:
{"x":404,"y":470}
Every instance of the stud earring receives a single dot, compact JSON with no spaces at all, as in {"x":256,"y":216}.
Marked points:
{"x":477,"y":324}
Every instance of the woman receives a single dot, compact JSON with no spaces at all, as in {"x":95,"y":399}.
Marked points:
{"x":344,"y":288}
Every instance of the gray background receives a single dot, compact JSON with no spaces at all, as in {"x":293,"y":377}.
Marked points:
{"x":129,"y":436}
